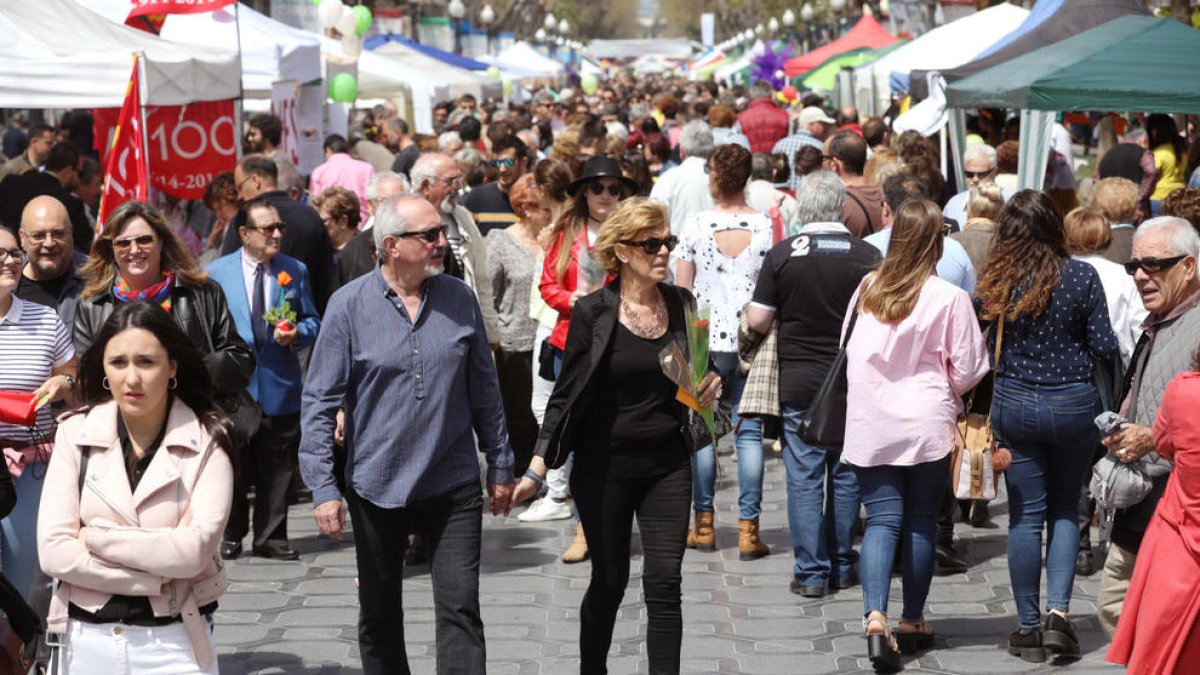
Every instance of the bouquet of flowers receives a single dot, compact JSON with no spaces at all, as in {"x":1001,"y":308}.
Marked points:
{"x":686,"y":372}
{"x":282,"y":316}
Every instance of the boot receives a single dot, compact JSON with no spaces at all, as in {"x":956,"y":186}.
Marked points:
{"x":750,"y":547}
{"x":703,"y":537}
{"x":578,"y":550}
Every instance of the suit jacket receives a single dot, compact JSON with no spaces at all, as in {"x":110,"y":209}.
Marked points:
{"x":277,"y":381}
{"x":593,"y":322}
{"x":305,"y":240}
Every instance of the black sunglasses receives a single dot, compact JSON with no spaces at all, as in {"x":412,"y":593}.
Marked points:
{"x":598,"y":189}
{"x":431,"y":236}
{"x":1152,"y":265}
{"x":977,"y":174}
{"x":269,"y":227}
{"x":653,"y":245}
{"x":142,"y":240}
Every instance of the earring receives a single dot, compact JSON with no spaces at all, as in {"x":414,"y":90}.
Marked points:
{"x":104,"y":383}
{"x":173,"y":383}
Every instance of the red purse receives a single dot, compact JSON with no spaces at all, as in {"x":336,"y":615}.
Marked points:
{"x":18,"y":407}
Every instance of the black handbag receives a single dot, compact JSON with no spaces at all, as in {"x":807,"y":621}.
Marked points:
{"x":695,"y":431}
{"x":245,"y":416}
{"x":824,"y":423}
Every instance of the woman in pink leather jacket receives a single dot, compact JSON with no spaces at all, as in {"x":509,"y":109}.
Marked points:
{"x":137,"y":495}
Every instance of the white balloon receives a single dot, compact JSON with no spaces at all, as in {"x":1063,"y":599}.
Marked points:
{"x":329,"y":11}
{"x":352,"y":45}
{"x":346,"y":22}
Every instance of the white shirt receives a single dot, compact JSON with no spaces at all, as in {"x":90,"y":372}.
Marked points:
{"x":1125,"y":309}
{"x":760,"y":196}
{"x":248,"y":269}
{"x":684,"y":189}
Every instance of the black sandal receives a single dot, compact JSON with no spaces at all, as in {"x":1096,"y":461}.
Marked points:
{"x":881,"y":647}
{"x":916,"y":640}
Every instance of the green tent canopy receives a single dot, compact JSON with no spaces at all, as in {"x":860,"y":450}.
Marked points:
{"x":824,"y":76}
{"x":1131,"y":63}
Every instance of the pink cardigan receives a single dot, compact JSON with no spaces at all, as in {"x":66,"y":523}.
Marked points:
{"x":905,"y":379}
{"x":160,"y":541}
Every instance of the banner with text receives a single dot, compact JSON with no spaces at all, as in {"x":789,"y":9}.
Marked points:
{"x":143,"y":7}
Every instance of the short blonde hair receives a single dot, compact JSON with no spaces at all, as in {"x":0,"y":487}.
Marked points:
{"x":882,"y":165}
{"x":985,"y":201}
{"x":1117,"y":198}
{"x":630,"y":217}
{"x":1088,"y":230}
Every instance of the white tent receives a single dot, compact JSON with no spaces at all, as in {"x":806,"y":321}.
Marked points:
{"x":271,"y":50}
{"x":457,"y":80}
{"x":944,"y":47}
{"x":59,"y":54}
{"x":521,"y":55}
{"x":381,"y":77}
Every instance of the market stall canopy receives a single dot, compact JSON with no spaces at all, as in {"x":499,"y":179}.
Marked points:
{"x":375,"y":42}
{"x":824,"y":76}
{"x":946,"y":47}
{"x":456,"y":80}
{"x":1130,"y":63}
{"x":867,"y":33}
{"x":271,"y":50}
{"x":523,"y":57}
{"x":679,"y":48}
{"x":59,"y":54}
{"x":381,"y":77}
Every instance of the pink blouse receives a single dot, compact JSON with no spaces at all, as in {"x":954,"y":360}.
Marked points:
{"x":906,"y":379}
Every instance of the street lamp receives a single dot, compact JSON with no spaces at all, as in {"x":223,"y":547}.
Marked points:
{"x":550,"y":21}
{"x":806,"y":13}
{"x":758,"y":30}
{"x":564,"y":27}
{"x":540,"y":35}
{"x":457,"y":11}
{"x":789,"y":18}
{"x":837,"y":5}
{"x":773,"y":25}
{"x":747,"y":35}
{"x":486,"y":17}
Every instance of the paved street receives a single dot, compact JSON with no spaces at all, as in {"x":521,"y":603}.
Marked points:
{"x":738,"y":616}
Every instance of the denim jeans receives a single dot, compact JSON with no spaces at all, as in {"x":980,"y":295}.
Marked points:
{"x":1050,"y":432}
{"x":747,"y":440}
{"x":18,"y":532}
{"x":821,"y":521}
{"x":451,"y":525}
{"x":902,"y":505}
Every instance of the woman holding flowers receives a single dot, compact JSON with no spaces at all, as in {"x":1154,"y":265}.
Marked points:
{"x":614,"y":406}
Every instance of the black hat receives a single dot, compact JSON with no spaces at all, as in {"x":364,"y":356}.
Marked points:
{"x":601,"y":167}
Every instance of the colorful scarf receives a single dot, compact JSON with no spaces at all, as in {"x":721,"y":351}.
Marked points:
{"x":159,"y":292}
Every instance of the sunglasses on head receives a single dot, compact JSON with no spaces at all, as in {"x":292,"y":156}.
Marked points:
{"x":507,"y":163}
{"x":142,"y":240}
{"x":431,"y":236}
{"x":1152,"y":265}
{"x":614,"y":189}
{"x":654,"y":244}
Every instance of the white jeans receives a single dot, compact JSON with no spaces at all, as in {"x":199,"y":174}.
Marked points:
{"x":557,"y":480}
{"x":118,"y":649}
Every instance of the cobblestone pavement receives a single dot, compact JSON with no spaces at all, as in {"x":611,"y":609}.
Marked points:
{"x":739,"y":618}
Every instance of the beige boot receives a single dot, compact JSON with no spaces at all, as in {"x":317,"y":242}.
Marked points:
{"x":703,"y":537}
{"x":750,"y":547}
{"x":578,"y":550}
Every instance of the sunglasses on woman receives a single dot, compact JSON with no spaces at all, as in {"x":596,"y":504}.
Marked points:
{"x":142,"y":240}
{"x":598,"y":189}
{"x":654,"y":244}
{"x":1151,"y":265}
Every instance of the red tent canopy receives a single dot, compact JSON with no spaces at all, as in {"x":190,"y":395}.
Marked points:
{"x":866,"y":33}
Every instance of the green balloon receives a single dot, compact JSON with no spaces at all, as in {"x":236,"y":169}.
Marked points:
{"x":362,"y":20}
{"x":316,"y":2}
{"x":343,"y":88}
{"x":507,"y":85}
{"x":588,"y":83}
{"x":493,"y":72}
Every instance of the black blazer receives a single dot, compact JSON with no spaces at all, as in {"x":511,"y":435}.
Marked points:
{"x":593,"y":321}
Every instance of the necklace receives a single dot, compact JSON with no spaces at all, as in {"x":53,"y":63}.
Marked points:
{"x":651,"y":330}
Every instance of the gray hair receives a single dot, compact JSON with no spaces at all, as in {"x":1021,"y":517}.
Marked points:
{"x":980,"y":151}
{"x":388,"y":220}
{"x":382,"y":177}
{"x":696,"y":139}
{"x":425,"y":170}
{"x":819,"y":199}
{"x":469,"y":156}
{"x":761,"y":89}
{"x":617,"y":129}
{"x":447,"y":138}
{"x":639,"y":112}
{"x":1135,"y":135}
{"x":1184,"y":238}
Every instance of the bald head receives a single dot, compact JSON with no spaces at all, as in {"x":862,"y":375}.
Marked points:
{"x":47,"y":238}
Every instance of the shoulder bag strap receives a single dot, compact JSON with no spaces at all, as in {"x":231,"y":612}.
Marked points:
{"x":996,"y":363}
{"x":861,"y":205}
{"x":83,"y":464}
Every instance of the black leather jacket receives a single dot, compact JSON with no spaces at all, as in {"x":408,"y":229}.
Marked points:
{"x":203,"y":314}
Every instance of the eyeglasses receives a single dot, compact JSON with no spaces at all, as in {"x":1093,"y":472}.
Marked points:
{"x":12,"y":254}
{"x":269,"y":228}
{"x":1152,"y":265}
{"x":506,"y":163}
{"x":614,"y":189}
{"x":977,"y":174}
{"x":654,"y":244}
{"x":142,"y":241}
{"x":827,"y":158}
{"x":41,"y":237}
{"x":453,"y":181}
{"x":245,"y":180}
{"x":431,"y":236}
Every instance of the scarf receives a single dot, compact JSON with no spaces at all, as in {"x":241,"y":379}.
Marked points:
{"x":159,"y":292}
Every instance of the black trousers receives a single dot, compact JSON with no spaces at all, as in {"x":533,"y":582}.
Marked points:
{"x":515,"y":372}
{"x":608,"y":499}
{"x":267,"y":462}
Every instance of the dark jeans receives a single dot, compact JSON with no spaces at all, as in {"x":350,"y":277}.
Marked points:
{"x":450,"y":526}
{"x":268,"y":463}
{"x":515,"y":371}
{"x":608,"y":499}
{"x":1049,"y":430}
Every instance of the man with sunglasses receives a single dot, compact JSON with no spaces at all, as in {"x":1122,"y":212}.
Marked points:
{"x":979,"y":166}
{"x":489,"y":203}
{"x":1163,"y":266}
{"x":256,"y":279}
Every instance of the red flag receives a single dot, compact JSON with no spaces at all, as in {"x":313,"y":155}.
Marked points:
{"x":126,"y":175}
{"x":149,"y":15}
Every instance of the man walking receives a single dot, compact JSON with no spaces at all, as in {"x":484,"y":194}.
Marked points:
{"x":489,"y":203}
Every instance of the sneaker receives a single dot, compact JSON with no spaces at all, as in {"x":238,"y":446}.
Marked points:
{"x":1058,"y":636}
{"x":546,"y":509}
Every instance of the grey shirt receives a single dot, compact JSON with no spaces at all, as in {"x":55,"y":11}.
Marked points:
{"x":510,"y":266}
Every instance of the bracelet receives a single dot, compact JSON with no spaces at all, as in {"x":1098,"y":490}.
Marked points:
{"x":537,"y":480}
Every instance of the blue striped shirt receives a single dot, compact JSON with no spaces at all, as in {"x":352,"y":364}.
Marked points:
{"x":416,"y":394}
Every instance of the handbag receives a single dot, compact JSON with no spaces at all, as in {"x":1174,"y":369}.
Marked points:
{"x":245,"y":416}
{"x":1116,"y":485}
{"x":824,"y":423}
{"x":695,"y":431}
{"x":19,"y":630}
{"x":971,"y":472}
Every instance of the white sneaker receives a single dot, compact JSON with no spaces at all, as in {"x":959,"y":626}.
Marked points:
{"x":546,"y":509}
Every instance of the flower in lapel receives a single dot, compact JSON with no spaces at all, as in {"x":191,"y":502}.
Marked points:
{"x":281,"y":315}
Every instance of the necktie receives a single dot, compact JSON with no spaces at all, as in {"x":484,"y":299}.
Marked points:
{"x":257,"y":309}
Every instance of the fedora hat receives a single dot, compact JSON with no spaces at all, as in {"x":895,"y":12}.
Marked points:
{"x":601,"y":167}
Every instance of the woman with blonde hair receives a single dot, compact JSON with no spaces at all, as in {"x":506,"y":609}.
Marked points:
{"x":613,"y":406}
{"x":913,"y":349}
{"x":983,"y":205}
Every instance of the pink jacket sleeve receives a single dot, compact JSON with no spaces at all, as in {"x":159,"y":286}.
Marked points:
{"x":967,"y":351}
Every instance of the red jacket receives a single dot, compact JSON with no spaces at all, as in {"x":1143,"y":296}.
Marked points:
{"x":558,"y":295}
{"x":764,"y":124}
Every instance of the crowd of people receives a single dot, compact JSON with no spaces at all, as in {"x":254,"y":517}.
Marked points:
{"x":428,"y":326}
